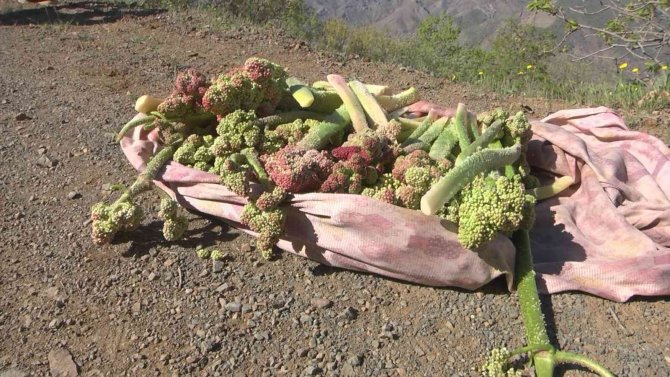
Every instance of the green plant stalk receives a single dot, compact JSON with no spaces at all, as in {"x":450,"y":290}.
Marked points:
{"x":351,"y":103}
{"x":132,"y":124}
{"x":144,"y":180}
{"x":414,"y":136}
{"x":481,"y":161}
{"x":252,"y":159}
{"x":460,"y":126}
{"x":569,"y":357}
{"x":545,"y":356}
{"x":408,"y":126}
{"x":434,"y":131}
{"x":442,"y":147}
{"x":482,"y":141}
{"x":372,"y":108}
{"x":325,"y":101}
{"x":328,"y":131}
{"x":300,"y":92}
{"x":555,"y":188}
{"x":529,"y":302}
{"x":272,"y":121}
{"x":396,"y":101}
{"x":474,"y":127}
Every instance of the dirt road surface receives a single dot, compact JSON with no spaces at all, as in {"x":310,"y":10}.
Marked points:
{"x":143,"y":306}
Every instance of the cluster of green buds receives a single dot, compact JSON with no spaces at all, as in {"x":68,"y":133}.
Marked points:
{"x":108,"y":219}
{"x":497,"y":364}
{"x":174,"y":224}
{"x":209,"y":253}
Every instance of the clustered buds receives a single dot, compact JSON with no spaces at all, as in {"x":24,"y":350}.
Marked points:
{"x":109,"y":219}
{"x":174,"y":225}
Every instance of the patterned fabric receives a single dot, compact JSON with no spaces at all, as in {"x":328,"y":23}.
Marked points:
{"x":609,"y":234}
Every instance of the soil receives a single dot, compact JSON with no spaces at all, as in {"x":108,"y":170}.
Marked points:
{"x":144,"y":306}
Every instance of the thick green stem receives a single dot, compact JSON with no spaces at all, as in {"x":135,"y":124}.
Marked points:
{"x":481,"y":161}
{"x":460,"y":126}
{"x":132,"y":124}
{"x":143,"y":181}
{"x":252,"y":159}
{"x":300,"y":91}
{"x":414,"y":136}
{"x":328,"y":131}
{"x":372,"y":108}
{"x":396,"y":101}
{"x":351,"y":103}
{"x":569,"y":357}
{"x":481,"y":142}
{"x":529,"y":302}
{"x":272,"y":121}
{"x":442,"y":147}
{"x":552,"y":189}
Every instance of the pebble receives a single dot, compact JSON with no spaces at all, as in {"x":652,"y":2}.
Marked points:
{"x":356,"y":360}
{"x":321,"y":303}
{"x":73,"y":195}
{"x":349,"y":313}
{"x":217,"y":266}
{"x":22,"y":116}
{"x":313,"y":370}
{"x":233,"y":307}
{"x":46,"y":161}
{"x":61,"y":363}
{"x":13,"y":372}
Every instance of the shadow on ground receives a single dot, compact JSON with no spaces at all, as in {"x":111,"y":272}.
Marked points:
{"x":80,"y":13}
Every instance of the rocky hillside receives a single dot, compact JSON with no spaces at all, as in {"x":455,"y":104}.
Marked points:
{"x":479,"y":19}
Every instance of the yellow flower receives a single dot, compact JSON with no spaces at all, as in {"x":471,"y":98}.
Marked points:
{"x":623,"y":65}
{"x":664,"y":68}
{"x":520,"y":73}
{"x":635,"y":70}
{"x":529,"y":66}
{"x":481,"y":73}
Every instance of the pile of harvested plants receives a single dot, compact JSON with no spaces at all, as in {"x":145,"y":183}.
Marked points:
{"x":255,"y":126}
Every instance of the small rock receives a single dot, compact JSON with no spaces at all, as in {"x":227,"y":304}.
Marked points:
{"x":55,"y":323}
{"x":222,"y":288}
{"x":305,"y":319}
{"x":13,"y":372}
{"x":217,"y":266}
{"x":22,"y":116}
{"x":313,"y":370}
{"x":61,"y":363}
{"x":321,"y":303}
{"x":46,"y":162}
{"x":151,"y":277}
{"x":349,"y":313}
{"x":355,"y":360}
{"x":302,"y":352}
{"x":233,"y":307}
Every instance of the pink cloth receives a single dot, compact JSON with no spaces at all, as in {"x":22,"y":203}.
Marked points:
{"x":608,"y":235}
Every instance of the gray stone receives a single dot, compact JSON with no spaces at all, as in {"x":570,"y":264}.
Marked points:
{"x":233,"y":307}
{"x":321,"y":303}
{"x":13,"y":372}
{"x":355,"y":360}
{"x":61,"y":363}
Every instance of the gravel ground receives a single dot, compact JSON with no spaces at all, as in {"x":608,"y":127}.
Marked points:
{"x":143,"y":306}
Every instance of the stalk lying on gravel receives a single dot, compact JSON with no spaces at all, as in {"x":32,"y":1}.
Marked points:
{"x":123,"y":213}
{"x":544,"y":356}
